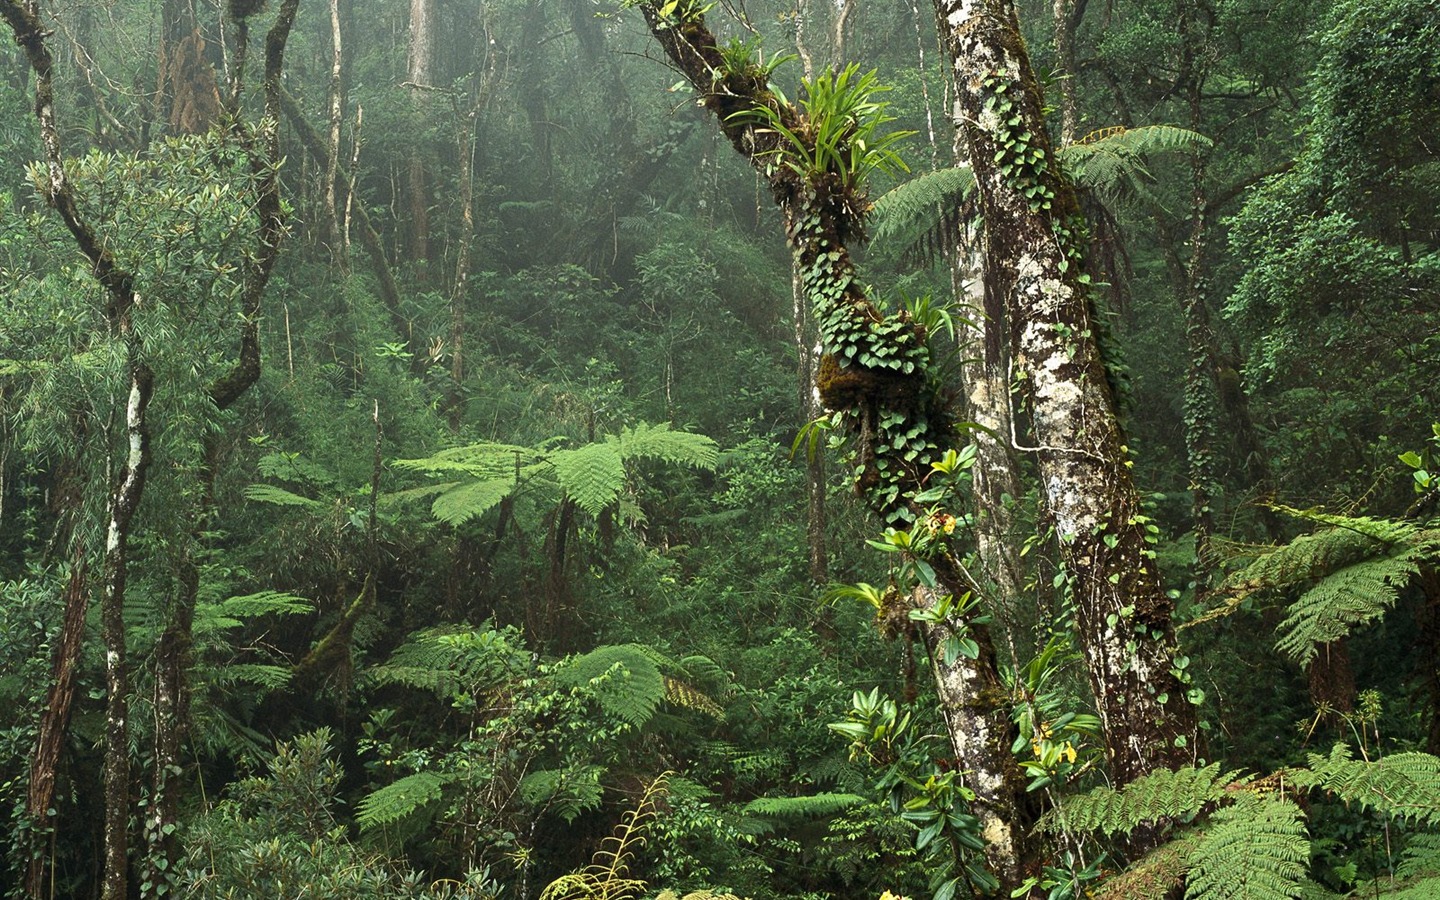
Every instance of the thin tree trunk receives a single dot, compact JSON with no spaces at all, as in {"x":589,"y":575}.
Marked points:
{"x":421,"y":76}
{"x":1033,"y":266}
{"x":335,"y":101}
{"x":55,"y":721}
{"x":810,"y":410}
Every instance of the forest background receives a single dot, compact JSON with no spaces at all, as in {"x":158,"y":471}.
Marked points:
{"x":430,"y":467}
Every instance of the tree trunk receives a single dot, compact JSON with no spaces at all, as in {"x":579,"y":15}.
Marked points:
{"x":55,"y":722}
{"x":421,"y":76}
{"x":882,"y":408}
{"x":1033,"y":239}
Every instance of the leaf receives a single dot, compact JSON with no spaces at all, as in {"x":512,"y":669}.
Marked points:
{"x":400,"y":799}
{"x":269,"y":493}
{"x":468,"y":500}
{"x":592,"y":475}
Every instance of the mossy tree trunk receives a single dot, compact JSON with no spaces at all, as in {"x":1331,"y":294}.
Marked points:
{"x":1033,"y":235}
{"x":873,"y":376}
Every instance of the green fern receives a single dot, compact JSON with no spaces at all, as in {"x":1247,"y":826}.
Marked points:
{"x":696,"y":895}
{"x":278,"y":496}
{"x":813,"y":806}
{"x":627,"y":681}
{"x":658,"y":442}
{"x":1161,"y":795}
{"x":1421,"y":857}
{"x":452,"y":659}
{"x":1156,"y":875}
{"x":592,"y":475}
{"x":1402,"y":785}
{"x":921,"y":218}
{"x":568,"y":792}
{"x":468,"y":500}
{"x":402,"y":799}
{"x":1254,"y":850}
{"x":1353,"y":596}
{"x":1111,"y":162}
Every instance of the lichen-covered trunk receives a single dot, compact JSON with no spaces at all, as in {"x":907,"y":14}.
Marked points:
{"x":1033,"y":236}
{"x":894,"y":421}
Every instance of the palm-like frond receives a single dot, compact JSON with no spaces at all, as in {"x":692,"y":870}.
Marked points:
{"x":1254,"y":850}
{"x":608,"y":875}
{"x":1111,"y":161}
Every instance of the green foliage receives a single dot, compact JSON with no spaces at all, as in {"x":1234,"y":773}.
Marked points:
{"x":401,"y":799}
{"x":1352,"y":570}
{"x":840,"y":135}
{"x":451,"y":660}
{"x":567,"y":792}
{"x":607,"y":876}
{"x":1256,"y":849}
{"x":1161,"y":795}
{"x":592,"y":475}
{"x":627,"y":681}
{"x":1404,"y":786}
{"x":815,"y":805}
{"x":1112,"y":161}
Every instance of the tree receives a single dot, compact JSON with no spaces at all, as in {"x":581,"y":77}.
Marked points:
{"x":1036,"y":284}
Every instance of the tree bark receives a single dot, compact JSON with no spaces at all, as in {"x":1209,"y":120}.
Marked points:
{"x":1033,"y":235}
{"x":421,"y":75}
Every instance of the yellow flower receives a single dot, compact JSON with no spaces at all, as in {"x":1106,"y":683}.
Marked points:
{"x":889,"y":896}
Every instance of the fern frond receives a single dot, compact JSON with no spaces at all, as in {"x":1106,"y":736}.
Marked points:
{"x":1154,"y":876}
{"x":570,"y":791}
{"x":686,"y":696}
{"x":1352,"y":596}
{"x":278,"y":496}
{"x":450,"y":660}
{"x":628,"y":684}
{"x":679,"y":448}
{"x":297,"y":469}
{"x":271,"y":678}
{"x":1160,"y":795}
{"x":470,"y":499}
{"x":1254,"y":850}
{"x":401,"y":799}
{"x":483,"y":460}
{"x":813,"y":806}
{"x":592,"y":475}
{"x":1111,"y":162}
{"x":696,"y":895}
{"x":1401,"y":785}
{"x":921,"y":218}
{"x":1421,"y":856}
{"x":262,"y":603}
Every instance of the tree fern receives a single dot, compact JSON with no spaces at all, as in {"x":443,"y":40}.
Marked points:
{"x":406,"y":797}
{"x":568,"y":792}
{"x":1421,"y":857}
{"x":1401,"y":785}
{"x":468,"y":500}
{"x":812,"y":806}
{"x":1254,"y":850}
{"x":658,"y":442}
{"x":1111,"y":162}
{"x":1156,"y":875}
{"x":278,"y":496}
{"x":922,"y":217}
{"x":1354,"y":568}
{"x":592,"y":475}
{"x":607,"y":876}
{"x":451,"y":659}
{"x":628,"y":683}
{"x":1159,"y":796}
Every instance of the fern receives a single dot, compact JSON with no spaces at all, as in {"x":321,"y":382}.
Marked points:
{"x":450,"y":660}
{"x":1354,"y":567}
{"x":569,"y":791}
{"x":1111,"y":162}
{"x":1421,"y":857}
{"x":233,"y":611}
{"x":921,"y":218}
{"x":1159,"y":796}
{"x":679,"y":448}
{"x":607,"y":876}
{"x":1255,"y":850}
{"x":696,"y":895}
{"x":812,"y":806}
{"x":627,"y":681}
{"x":278,"y":496}
{"x":1353,"y":596}
{"x":468,"y":500}
{"x":592,"y":475}
{"x":401,"y":799}
{"x":1156,"y":875}
{"x":1401,"y":785}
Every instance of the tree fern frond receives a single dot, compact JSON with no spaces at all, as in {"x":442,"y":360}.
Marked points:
{"x":1254,"y":850}
{"x":921,"y":218}
{"x":1154,"y":876}
{"x":470,"y":499}
{"x":483,"y":460}
{"x":628,"y":684}
{"x":450,"y":660}
{"x":262,"y":603}
{"x":1386,"y":531}
{"x":686,"y":696}
{"x":1401,"y":785}
{"x":569,"y":791}
{"x":1160,"y":795}
{"x":659,"y":442}
{"x":1354,"y":595}
{"x":1421,"y":856}
{"x":1111,"y":161}
{"x":592,"y":475}
{"x":401,"y":799}
{"x":297,"y":469}
{"x":271,"y":678}
{"x":813,"y":806}
{"x":278,"y":496}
